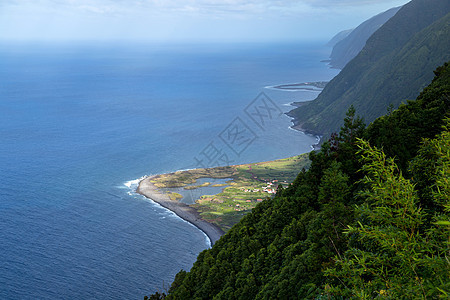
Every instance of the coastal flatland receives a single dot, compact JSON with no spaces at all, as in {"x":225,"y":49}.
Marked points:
{"x":248,"y":185}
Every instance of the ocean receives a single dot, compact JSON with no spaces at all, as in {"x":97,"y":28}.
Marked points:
{"x":80,"y":123}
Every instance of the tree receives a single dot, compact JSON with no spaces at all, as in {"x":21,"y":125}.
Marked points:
{"x":346,"y":148}
{"x":396,"y":255}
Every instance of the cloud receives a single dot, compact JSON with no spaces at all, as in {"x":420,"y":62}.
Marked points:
{"x":102,"y":19}
{"x":341,"y":3}
{"x":97,"y":9}
{"x":192,"y":6}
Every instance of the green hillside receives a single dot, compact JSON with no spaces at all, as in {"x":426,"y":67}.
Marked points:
{"x":396,"y":64}
{"x":354,"y":225}
{"x":347,"y":48}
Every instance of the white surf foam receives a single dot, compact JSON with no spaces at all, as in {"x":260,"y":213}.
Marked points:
{"x":133,"y":184}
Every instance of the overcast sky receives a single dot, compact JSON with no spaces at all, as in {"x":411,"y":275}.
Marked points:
{"x":173,"y":20}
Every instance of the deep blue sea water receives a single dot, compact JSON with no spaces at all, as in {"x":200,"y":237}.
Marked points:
{"x":79,"y":122}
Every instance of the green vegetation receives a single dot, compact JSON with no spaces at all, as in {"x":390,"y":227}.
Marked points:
{"x":183,"y":178}
{"x":396,"y":63}
{"x":399,"y":253}
{"x":174,"y":196}
{"x":359,"y":223}
{"x":417,"y":118}
{"x":250,"y":184}
{"x":193,"y":187}
{"x":347,"y":48}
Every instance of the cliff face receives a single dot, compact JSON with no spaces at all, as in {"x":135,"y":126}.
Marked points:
{"x":396,"y":63}
{"x":348,"y":47}
{"x":339,"y":37}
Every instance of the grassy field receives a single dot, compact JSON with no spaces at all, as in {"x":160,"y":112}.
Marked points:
{"x":249,"y":185}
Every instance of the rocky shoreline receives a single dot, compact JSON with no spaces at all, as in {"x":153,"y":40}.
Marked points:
{"x":187,"y":213}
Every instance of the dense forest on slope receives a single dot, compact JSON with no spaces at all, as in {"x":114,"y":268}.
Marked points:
{"x":383,"y":217}
{"x":349,"y":46}
{"x":396,"y":64}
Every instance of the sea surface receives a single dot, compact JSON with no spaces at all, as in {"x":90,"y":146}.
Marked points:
{"x":79,"y":124}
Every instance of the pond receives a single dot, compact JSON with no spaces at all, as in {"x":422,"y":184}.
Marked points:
{"x":203,"y":186}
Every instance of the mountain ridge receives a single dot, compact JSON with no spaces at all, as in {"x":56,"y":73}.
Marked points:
{"x":338,"y":37}
{"x":349,"y":46}
{"x":368,"y":81}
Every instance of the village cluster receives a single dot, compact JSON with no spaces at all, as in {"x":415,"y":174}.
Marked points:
{"x":269,"y":188}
